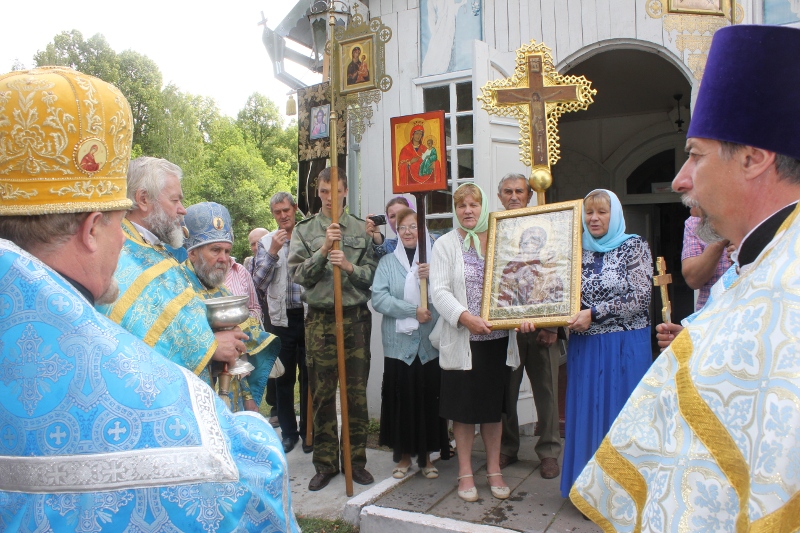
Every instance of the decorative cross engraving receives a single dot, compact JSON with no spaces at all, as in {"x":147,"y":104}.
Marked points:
{"x":57,"y":435}
{"x":113,"y":471}
{"x":662,"y":280}
{"x":60,"y":303}
{"x":116,"y":431}
{"x":177,"y":427}
{"x":536,"y":95}
{"x":31,"y":369}
{"x":9,"y":436}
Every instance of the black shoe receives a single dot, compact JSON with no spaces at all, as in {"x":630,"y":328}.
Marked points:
{"x":288,"y":443}
{"x":307,"y":448}
{"x":362,"y":477}
{"x":320,"y":481}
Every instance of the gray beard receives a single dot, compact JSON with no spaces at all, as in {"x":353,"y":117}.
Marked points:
{"x":704,"y":231}
{"x":169,"y":231}
{"x":209,"y":275}
{"x":110,"y":295}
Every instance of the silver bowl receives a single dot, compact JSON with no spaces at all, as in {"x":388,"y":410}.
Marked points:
{"x":226,"y":312}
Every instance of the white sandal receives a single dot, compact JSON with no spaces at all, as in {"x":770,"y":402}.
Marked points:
{"x":399,"y":472}
{"x":430,"y":472}
{"x":501,"y":493}
{"x":469,"y":495}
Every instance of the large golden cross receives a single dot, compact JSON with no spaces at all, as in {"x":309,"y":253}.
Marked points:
{"x":536,"y":95}
{"x":662,"y":280}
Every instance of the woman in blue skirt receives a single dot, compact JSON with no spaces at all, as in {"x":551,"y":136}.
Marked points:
{"x":609,"y":346}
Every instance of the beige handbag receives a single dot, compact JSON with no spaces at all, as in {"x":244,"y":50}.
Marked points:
{"x":277,"y":369}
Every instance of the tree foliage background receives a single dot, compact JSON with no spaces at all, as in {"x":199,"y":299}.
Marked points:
{"x":239,"y":163}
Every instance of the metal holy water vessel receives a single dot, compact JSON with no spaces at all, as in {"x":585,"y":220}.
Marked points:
{"x":226,"y":312}
{"x":223,"y":313}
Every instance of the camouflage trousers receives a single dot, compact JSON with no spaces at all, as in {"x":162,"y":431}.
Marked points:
{"x":323,"y":378}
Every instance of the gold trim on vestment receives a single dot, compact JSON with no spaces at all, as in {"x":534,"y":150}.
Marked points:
{"x":137,"y":287}
{"x":252,"y":322}
{"x":625,"y":474}
{"x":785,"y":519}
{"x":590,"y":512}
{"x":167,"y":316}
{"x":711,"y":432}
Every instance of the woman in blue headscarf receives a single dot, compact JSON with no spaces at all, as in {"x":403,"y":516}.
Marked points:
{"x":609,"y":348}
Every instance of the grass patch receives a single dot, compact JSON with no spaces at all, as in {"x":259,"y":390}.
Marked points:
{"x":322,"y":525}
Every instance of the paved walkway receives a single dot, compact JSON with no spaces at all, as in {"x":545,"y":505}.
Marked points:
{"x":535,"y":504}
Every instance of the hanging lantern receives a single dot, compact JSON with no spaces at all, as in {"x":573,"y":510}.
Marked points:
{"x":291,"y":106}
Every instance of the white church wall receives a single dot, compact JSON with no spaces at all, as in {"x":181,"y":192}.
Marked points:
{"x":574,"y":30}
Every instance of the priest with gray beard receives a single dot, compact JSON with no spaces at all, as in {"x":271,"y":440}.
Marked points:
{"x":208,"y":243}
{"x":157,"y":302}
{"x":154,"y":186}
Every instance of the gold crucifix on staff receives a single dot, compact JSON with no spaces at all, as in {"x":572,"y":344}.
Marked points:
{"x":662,"y":280}
{"x":537,"y":95}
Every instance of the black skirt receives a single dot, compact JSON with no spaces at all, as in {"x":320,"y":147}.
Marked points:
{"x":477,"y":396}
{"x":410,"y":422}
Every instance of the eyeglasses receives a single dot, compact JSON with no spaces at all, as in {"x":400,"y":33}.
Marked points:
{"x":403,"y":229}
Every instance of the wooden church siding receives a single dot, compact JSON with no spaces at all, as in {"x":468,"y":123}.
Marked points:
{"x":602,"y":14}
{"x":589,"y":21}
{"x":560,"y":46}
{"x":514,"y":16}
{"x":575,"y":24}
{"x":651,"y":29}
{"x":408,"y":57}
{"x":548,"y":22}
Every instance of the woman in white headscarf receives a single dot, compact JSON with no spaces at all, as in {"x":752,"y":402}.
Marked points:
{"x":410,"y":422}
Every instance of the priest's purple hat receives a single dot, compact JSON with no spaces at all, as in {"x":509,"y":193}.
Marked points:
{"x":749,"y":90}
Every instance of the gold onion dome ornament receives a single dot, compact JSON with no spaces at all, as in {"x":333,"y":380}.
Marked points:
{"x":65,"y":143}
{"x":537,"y":95}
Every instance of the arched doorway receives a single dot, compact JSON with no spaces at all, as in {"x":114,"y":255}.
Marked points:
{"x":630,"y":141}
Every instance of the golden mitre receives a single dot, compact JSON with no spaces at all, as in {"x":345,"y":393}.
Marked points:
{"x":65,"y":143}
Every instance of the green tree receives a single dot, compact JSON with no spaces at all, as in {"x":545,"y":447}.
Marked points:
{"x":241,"y":181}
{"x":140,"y":82}
{"x":238,"y":163}
{"x":176,"y":134}
{"x":94,"y":57}
{"x":262,"y":124}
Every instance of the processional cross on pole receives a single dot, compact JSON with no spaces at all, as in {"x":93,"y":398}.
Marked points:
{"x":378,"y":34}
{"x":537,"y":95}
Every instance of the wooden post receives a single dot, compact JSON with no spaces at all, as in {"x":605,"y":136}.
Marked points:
{"x":309,"y":439}
{"x":422,"y":245}
{"x":337,"y":273}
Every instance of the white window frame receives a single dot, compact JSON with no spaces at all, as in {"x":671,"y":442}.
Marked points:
{"x":450,"y":79}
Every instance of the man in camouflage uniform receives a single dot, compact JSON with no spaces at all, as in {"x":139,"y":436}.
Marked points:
{"x":311,"y":260}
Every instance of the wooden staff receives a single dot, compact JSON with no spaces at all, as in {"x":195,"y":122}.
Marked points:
{"x":337,"y":273}
{"x":309,"y":417}
{"x":422,"y":246}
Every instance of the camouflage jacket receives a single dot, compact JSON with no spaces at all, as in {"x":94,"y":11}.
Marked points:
{"x":311,"y":269}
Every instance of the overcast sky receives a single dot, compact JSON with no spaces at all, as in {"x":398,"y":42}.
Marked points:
{"x":209,"y":49}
